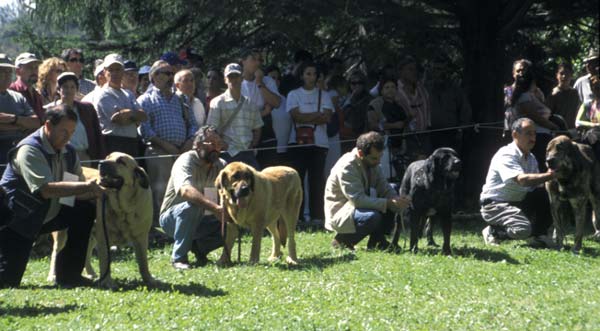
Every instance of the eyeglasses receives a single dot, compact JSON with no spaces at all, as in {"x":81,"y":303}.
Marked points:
{"x":75,"y":59}
{"x":166,"y":73}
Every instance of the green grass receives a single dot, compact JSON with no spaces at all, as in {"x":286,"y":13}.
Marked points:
{"x":510,"y":287}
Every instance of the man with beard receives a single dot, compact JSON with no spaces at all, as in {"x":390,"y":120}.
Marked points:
{"x":190,"y":212}
{"x":27,"y":75}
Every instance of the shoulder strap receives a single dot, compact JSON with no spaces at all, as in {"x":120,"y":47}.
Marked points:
{"x":185,"y":108}
{"x":231,"y":118}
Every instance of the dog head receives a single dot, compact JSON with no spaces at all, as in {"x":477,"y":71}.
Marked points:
{"x":236,"y":183}
{"x":563,"y":157}
{"x":120,"y":169}
{"x":444,"y":163}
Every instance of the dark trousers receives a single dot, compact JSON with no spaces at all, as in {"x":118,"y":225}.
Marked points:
{"x":131,"y":146}
{"x":245,"y":157}
{"x":15,"y":249}
{"x":269,"y":157}
{"x":536,"y":206}
{"x":368,"y":222}
{"x":310,"y":161}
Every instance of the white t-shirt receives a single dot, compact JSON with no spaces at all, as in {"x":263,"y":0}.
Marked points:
{"x":306,"y":102}
{"x":251,"y":91}
{"x":282,"y":125}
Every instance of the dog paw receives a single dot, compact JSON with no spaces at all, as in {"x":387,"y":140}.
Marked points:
{"x":222,"y":262}
{"x":291,"y":261}
{"x":107,"y":284}
{"x":273,"y":259}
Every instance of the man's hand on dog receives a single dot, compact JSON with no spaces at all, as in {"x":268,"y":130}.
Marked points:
{"x":398,"y":203}
{"x":95,"y":189}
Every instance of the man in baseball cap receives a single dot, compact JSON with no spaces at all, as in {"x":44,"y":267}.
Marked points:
{"x":27,"y":75}
{"x":582,"y":84}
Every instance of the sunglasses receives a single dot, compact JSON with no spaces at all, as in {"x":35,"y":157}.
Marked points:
{"x":74,"y":59}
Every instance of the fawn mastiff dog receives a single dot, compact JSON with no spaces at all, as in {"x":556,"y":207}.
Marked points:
{"x":268,"y":199}
{"x":577,"y":183}
{"x":127,"y":215}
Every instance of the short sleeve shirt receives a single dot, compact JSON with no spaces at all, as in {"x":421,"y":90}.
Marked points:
{"x":306,"y":101}
{"x":506,"y":165}
{"x":12,"y":102}
{"x":109,"y":101}
{"x":252,"y":92}
{"x":189,"y":170}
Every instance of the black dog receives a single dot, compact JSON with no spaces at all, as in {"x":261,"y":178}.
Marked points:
{"x":430,"y":184}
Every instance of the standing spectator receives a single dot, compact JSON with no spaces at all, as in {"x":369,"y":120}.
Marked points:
{"x":74,"y":59}
{"x":100,"y":82}
{"x":261,"y":91}
{"x":337,"y":88}
{"x":386,"y":72}
{"x":355,"y":111}
{"x":564,"y":100}
{"x":35,"y":179}
{"x":311,"y":108}
{"x":214,"y":85}
{"x":582,"y":84}
{"x":143,"y":79}
{"x":169,"y":130}
{"x":130,"y":77}
{"x":16,"y":115}
{"x":187,"y":213}
{"x":282,"y":124}
{"x":588,"y":117}
{"x":185,"y":84}
{"x":237,"y":120}
{"x":48,"y":72}
{"x":27,"y":75}
{"x":87,"y":138}
{"x":118,"y":112}
{"x":520,"y":67}
{"x":199,"y":85}
{"x":414,"y":99}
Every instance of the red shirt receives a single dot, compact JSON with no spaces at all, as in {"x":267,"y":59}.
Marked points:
{"x":32,"y":96}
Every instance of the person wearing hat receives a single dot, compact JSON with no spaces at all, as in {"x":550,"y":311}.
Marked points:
{"x":170,"y":127}
{"x":236,"y":119}
{"x":99,"y":79}
{"x":118,"y":111}
{"x":173,"y":59}
{"x":27,"y":75}
{"x":143,"y":79}
{"x":16,"y":115}
{"x":87,"y":138}
{"x":74,"y":59}
{"x":582,"y":84}
{"x":130,"y":77}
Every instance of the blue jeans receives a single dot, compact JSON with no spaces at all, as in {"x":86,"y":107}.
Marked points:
{"x":367,"y":222}
{"x":185,"y":223}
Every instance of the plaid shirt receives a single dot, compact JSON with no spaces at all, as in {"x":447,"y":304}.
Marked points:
{"x":238,"y":135}
{"x":165,"y":118}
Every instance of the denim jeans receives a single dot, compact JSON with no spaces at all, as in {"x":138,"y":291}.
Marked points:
{"x":367,"y":222}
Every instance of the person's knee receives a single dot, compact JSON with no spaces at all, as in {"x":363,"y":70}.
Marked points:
{"x":519,"y":231}
{"x":368,"y":218}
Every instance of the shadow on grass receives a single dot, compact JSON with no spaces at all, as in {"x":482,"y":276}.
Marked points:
{"x":35,"y":310}
{"x":487,"y":255}
{"x":319,"y":261}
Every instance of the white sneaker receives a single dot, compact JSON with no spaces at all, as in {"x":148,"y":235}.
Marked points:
{"x":488,"y":237}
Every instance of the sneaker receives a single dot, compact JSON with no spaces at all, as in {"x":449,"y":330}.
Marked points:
{"x":488,"y":237}
{"x":181,"y":265}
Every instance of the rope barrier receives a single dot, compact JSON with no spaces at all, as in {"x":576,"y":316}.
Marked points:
{"x":475,"y":126}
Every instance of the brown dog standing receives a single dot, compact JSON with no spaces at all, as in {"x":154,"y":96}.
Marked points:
{"x":269,"y":199}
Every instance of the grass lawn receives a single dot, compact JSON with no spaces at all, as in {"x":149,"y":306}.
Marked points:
{"x":510,"y":287}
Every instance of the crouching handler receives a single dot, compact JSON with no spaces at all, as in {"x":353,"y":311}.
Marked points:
{"x":190,"y":213}
{"x":359,"y":201}
{"x":42,"y":181}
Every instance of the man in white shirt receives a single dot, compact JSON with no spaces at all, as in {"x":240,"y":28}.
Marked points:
{"x":582,"y":84}
{"x":512,"y":194}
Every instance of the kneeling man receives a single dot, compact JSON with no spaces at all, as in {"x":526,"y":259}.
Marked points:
{"x":512,"y":194}
{"x":359,"y":201}
{"x":187,"y":213}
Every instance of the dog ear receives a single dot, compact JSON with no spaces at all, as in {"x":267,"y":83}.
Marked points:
{"x":221,"y":181}
{"x":251,"y":179}
{"x":430,"y":168}
{"x":142,"y":177}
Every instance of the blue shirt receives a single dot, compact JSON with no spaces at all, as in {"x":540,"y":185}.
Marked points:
{"x":166,"y":118}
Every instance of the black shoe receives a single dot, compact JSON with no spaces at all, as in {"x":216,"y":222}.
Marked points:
{"x":72,"y":283}
{"x":201,"y":256}
{"x":335,"y":243}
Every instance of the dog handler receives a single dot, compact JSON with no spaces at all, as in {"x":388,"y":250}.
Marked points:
{"x":187,"y":213}
{"x":41,"y":182}
{"x":512,"y":192}
{"x":359,"y":201}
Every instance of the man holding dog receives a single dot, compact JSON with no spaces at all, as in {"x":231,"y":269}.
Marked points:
{"x":188,"y":214}
{"x":41,"y":182}
{"x":359,"y":201}
{"x":513,"y":194}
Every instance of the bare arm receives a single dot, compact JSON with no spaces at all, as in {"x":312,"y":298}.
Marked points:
{"x":270,"y":97}
{"x":129,"y":116}
{"x":165,"y":145}
{"x":65,"y":189}
{"x":529,"y":180}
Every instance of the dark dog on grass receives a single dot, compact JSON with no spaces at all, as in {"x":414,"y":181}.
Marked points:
{"x":430,"y":184}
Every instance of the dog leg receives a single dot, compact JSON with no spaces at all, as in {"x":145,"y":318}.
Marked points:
{"x":579,"y":207}
{"x":557,"y":216}
{"x":429,"y":232}
{"x":446,"y":221}
{"x":103,"y":246}
{"x":141,"y":255}
{"x":596,"y":218}
{"x":88,"y":270}
{"x":276,"y":249}
{"x":416,"y":228}
{"x":230,"y":235}
{"x":59,"y":239}
{"x":257,"y":233}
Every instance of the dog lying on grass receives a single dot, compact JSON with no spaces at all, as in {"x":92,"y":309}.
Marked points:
{"x":430,"y":184}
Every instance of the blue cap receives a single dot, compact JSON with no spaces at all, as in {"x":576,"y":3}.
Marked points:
{"x":172,"y":58}
{"x":144,"y":70}
{"x":129,"y":65}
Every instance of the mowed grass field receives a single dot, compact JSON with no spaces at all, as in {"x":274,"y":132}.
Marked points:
{"x":510,"y":287}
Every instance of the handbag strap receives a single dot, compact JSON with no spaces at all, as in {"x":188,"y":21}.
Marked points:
{"x":318,"y":109}
{"x":235,"y":112}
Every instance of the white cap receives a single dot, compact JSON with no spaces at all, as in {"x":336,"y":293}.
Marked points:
{"x":112,"y":59}
{"x":5,"y":61}
{"x":233,"y":68}
{"x":25,"y":58}
{"x":99,"y":67}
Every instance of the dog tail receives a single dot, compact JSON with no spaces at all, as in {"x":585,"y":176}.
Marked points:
{"x":282,"y":231}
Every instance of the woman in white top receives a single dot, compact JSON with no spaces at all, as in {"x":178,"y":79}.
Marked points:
{"x":306,"y":110}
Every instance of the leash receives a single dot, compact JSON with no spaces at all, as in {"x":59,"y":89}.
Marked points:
{"x":103,"y":208}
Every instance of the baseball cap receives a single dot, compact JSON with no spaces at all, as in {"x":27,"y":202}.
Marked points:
{"x":99,"y":67}
{"x":172,"y":58}
{"x":5,"y":61}
{"x":144,"y":70}
{"x":112,"y":59}
{"x":592,"y":55}
{"x":130,"y":66}
{"x":65,"y":76}
{"x":233,"y":68}
{"x":25,"y":58}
